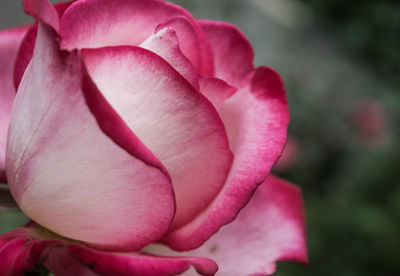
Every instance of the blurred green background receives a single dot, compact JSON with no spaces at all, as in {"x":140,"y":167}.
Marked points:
{"x":340,"y":61}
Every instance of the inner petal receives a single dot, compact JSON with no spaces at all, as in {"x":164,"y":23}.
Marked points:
{"x":178,"y":124}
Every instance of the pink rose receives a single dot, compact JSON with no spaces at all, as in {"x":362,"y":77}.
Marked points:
{"x":135,"y":123}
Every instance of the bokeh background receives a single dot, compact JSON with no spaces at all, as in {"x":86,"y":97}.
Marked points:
{"x":340,"y":60}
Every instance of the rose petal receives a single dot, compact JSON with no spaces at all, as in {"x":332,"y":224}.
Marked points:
{"x":62,"y":7}
{"x":62,"y":263}
{"x":8,"y":255}
{"x":270,"y":228}
{"x":256,"y":120}
{"x":28,"y":259}
{"x":43,"y":11}
{"x":193,"y":44}
{"x":165,"y":44}
{"x":24,"y":55}
{"x":70,"y":177}
{"x":22,"y":249}
{"x":173,"y":119}
{"x":98,"y":23}
{"x":112,"y":124}
{"x":25,"y":51}
{"x":139,"y":264}
{"x":216,"y":90}
{"x":19,"y":254}
{"x":233,"y":54}
{"x":9,"y":43}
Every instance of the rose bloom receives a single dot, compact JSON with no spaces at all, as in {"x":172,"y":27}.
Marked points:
{"x":131,"y":132}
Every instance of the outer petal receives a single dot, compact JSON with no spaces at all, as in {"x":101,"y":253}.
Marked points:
{"x":23,"y":249}
{"x":270,"y":228}
{"x":98,"y":23}
{"x":233,"y":54}
{"x":173,"y":119}
{"x":62,"y":263}
{"x":256,"y":120}
{"x":24,"y":55}
{"x":44,"y":11}
{"x":9,"y":43}
{"x":25,"y":51}
{"x":67,"y":174}
{"x":61,"y":7}
{"x":139,"y":264}
{"x":193,"y":43}
{"x":78,"y":260}
{"x":165,"y":44}
{"x":9,"y":253}
{"x":19,"y":254}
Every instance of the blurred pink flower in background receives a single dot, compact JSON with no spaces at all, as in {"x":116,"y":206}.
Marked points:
{"x":370,"y":121}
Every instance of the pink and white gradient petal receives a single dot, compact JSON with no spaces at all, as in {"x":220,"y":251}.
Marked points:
{"x":165,"y":44}
{"x":233,"y":54}
{"x":43,"y":11}
{"x":216,"y":90}
{"x":99,"y":23}
{"x":25,"y":51}
{"x":83,"y":178}
{"x":256,"y":119}
{"x":193,"y":43}
{"x":178,"y":124}
{"x":270,"y":228}
{"x":9,"y":42}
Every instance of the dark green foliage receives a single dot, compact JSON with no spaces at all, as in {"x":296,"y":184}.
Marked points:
{"x":368,"y":29}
